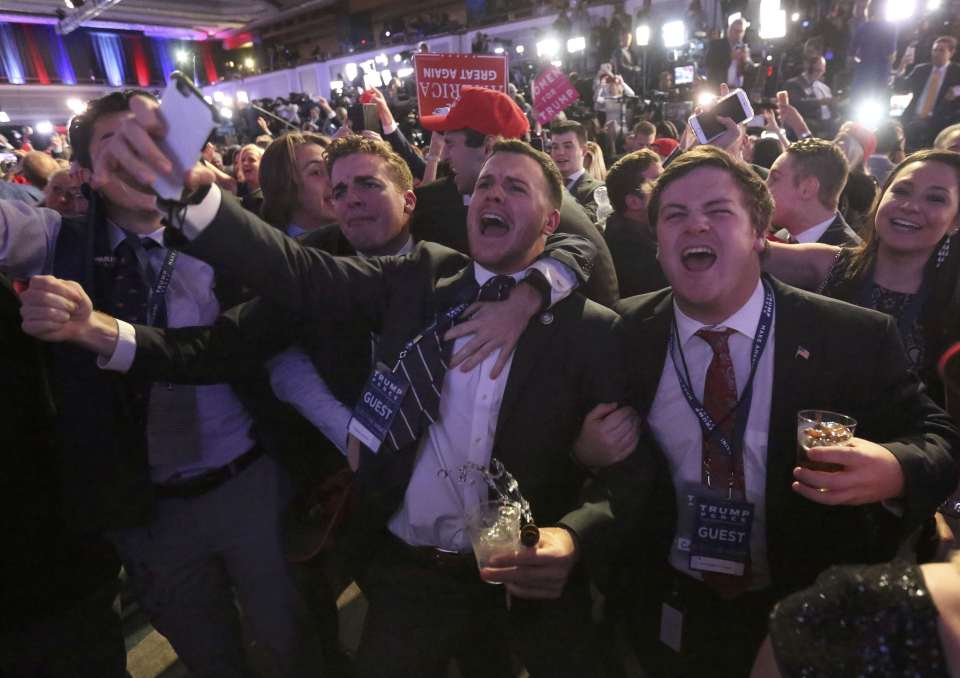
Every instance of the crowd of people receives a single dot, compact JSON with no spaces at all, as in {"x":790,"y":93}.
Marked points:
{"x":287,"y":380}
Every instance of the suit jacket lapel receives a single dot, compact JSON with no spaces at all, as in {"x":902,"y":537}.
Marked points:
{"x":530,"y":350}
{"x":649,"y":356}
{"x":796,"y":361}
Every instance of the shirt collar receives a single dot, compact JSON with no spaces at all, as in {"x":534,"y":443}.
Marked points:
{"x":407,"y":248}
{"x":467,"y":197}
{"x":814,"y":233}
{"x":482,"y":274}
{"x":744,"y":321}
{"x":118,"y":235}
{"x":575,"y":177}
{"x":293,"y":230}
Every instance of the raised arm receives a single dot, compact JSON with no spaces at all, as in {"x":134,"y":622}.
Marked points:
{"x":27,"y":238}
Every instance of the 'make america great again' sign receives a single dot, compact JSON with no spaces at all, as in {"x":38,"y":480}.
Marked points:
{"x":440,"y":77}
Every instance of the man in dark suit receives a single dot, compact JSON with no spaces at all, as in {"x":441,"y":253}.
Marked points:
{"x":728,"y":352}
{"x":625,"y":61}
{"x":812,"y":97}
{"x":568,"y":145}
{"x":474,"y":124}
{"x":806,"y":182}
{"x":137,"y":460}
{"x":936,"y":99}
{"x":628,"y":232}
{"x":407,"y":540}
{"x":721,"y":53}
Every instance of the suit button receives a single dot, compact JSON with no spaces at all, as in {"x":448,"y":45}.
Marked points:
{"x":546,"y":318}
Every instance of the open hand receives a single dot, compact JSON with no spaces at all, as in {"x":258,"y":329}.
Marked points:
{"x":870,"y":474}
{"x":494,"y":325}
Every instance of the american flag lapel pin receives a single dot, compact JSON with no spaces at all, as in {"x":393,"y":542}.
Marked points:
{"x":802,"y":353}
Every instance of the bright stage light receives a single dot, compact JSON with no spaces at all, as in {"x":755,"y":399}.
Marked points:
{"x":548,"y":47}
{"x":795,"y":17}
{"x":183,"y":56}
{"x":249,"y":63}
{"x":674,"y":34}
{"x":577,"y":44}
{"x":397,"y":58}
{"x":706,"y":98}
{"x":498,"y":50}
{"x":870,"y":114}
{"x":76,"y":106}
{"x":226,"y":113}
{"x":520,"y":49}
{"x":643,"y":35}
{"x":900,"y":10}
{"x":44,"y":127}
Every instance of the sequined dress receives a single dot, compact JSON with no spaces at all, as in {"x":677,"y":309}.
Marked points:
{"x":859,"y":621}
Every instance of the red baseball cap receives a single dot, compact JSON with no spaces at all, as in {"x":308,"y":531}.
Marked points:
{"x":664,"y":146}
{"x":483,"y":110}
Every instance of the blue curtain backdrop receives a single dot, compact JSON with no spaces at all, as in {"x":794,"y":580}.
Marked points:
{"x":61,"y":59}
{"x":109,"y":51}
{"x":164,"y":52}
{"x":10,"y":55}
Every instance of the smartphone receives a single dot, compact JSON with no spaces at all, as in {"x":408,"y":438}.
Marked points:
{"x":364,"y":116}
{"x":735,"y":106}
{"x":783,"y":98}
{"x":683,"y":75}
{"x":190,"y":120}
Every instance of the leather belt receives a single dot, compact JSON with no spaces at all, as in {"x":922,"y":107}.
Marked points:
{"x":438,"y":559}
{"x":206,"y":482}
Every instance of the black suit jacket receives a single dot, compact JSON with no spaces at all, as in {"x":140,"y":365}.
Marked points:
{"x":838,"y":233}
{"x":552,"y":384}
{"x":441,"y":217}
{"x":635,"y":256}
{"x":806,"y":103}
{"x":869,"y":380}
{"x":582,"y":190}
{"x":916,"y":80}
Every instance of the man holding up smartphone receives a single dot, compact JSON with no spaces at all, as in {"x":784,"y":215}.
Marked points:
{"x":167,"y":473}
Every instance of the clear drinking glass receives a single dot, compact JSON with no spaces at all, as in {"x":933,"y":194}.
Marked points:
{"x":820,"y":428}
{"x":493,"y":529}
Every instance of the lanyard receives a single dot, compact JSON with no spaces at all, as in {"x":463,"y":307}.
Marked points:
{"x":162,"y":281}
{"x":710,"y":428}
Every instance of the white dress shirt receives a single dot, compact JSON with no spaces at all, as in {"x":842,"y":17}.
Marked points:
{"x":575,"y":177}
{"x":814,"y":233}
{"x":677,"y":429}
{"x":822,"y":91}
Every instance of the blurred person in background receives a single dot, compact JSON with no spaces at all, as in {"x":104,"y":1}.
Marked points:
{"x":296,"y":186}
{"x":935,"y":86}
{"x":812,"y":97}
{"x":594,"y":163}
{"x":948,"y":139}
{"x":247,"y":170}
{"x":62,"y":194}
{"x":628,"y":234}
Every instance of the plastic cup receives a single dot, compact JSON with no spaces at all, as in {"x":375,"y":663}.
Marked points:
{"x":493,"y":529}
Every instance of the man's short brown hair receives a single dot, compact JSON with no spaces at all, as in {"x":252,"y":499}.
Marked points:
{"x":567,"y":126}
{"x":626,"y":176}
{"x":280,"y":177}
{"x":949,"y":40}
{"x":352,"y":144}
{"x":820,"y":158}
{"x":551,"y":174}
{"x":756,"y":195}
{"x":646,"y":128}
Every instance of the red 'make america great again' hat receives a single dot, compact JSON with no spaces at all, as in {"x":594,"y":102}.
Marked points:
{"x":483,"y":110}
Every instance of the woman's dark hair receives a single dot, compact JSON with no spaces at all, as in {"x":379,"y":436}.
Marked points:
{"x":280,"y":177}
{"x":81,"y":126}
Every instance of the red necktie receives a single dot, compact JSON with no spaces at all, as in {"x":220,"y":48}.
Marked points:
{"x":720,"y":400}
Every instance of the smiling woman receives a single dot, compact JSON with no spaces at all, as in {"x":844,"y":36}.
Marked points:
{"x":909,"y":265}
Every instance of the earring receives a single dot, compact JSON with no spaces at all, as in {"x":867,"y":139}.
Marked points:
{"x":944,"y":250}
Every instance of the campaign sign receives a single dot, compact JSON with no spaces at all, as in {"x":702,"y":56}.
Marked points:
{"x":552,"y":93}
{"x":440,"y":77}
{"x":721,"y":535}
